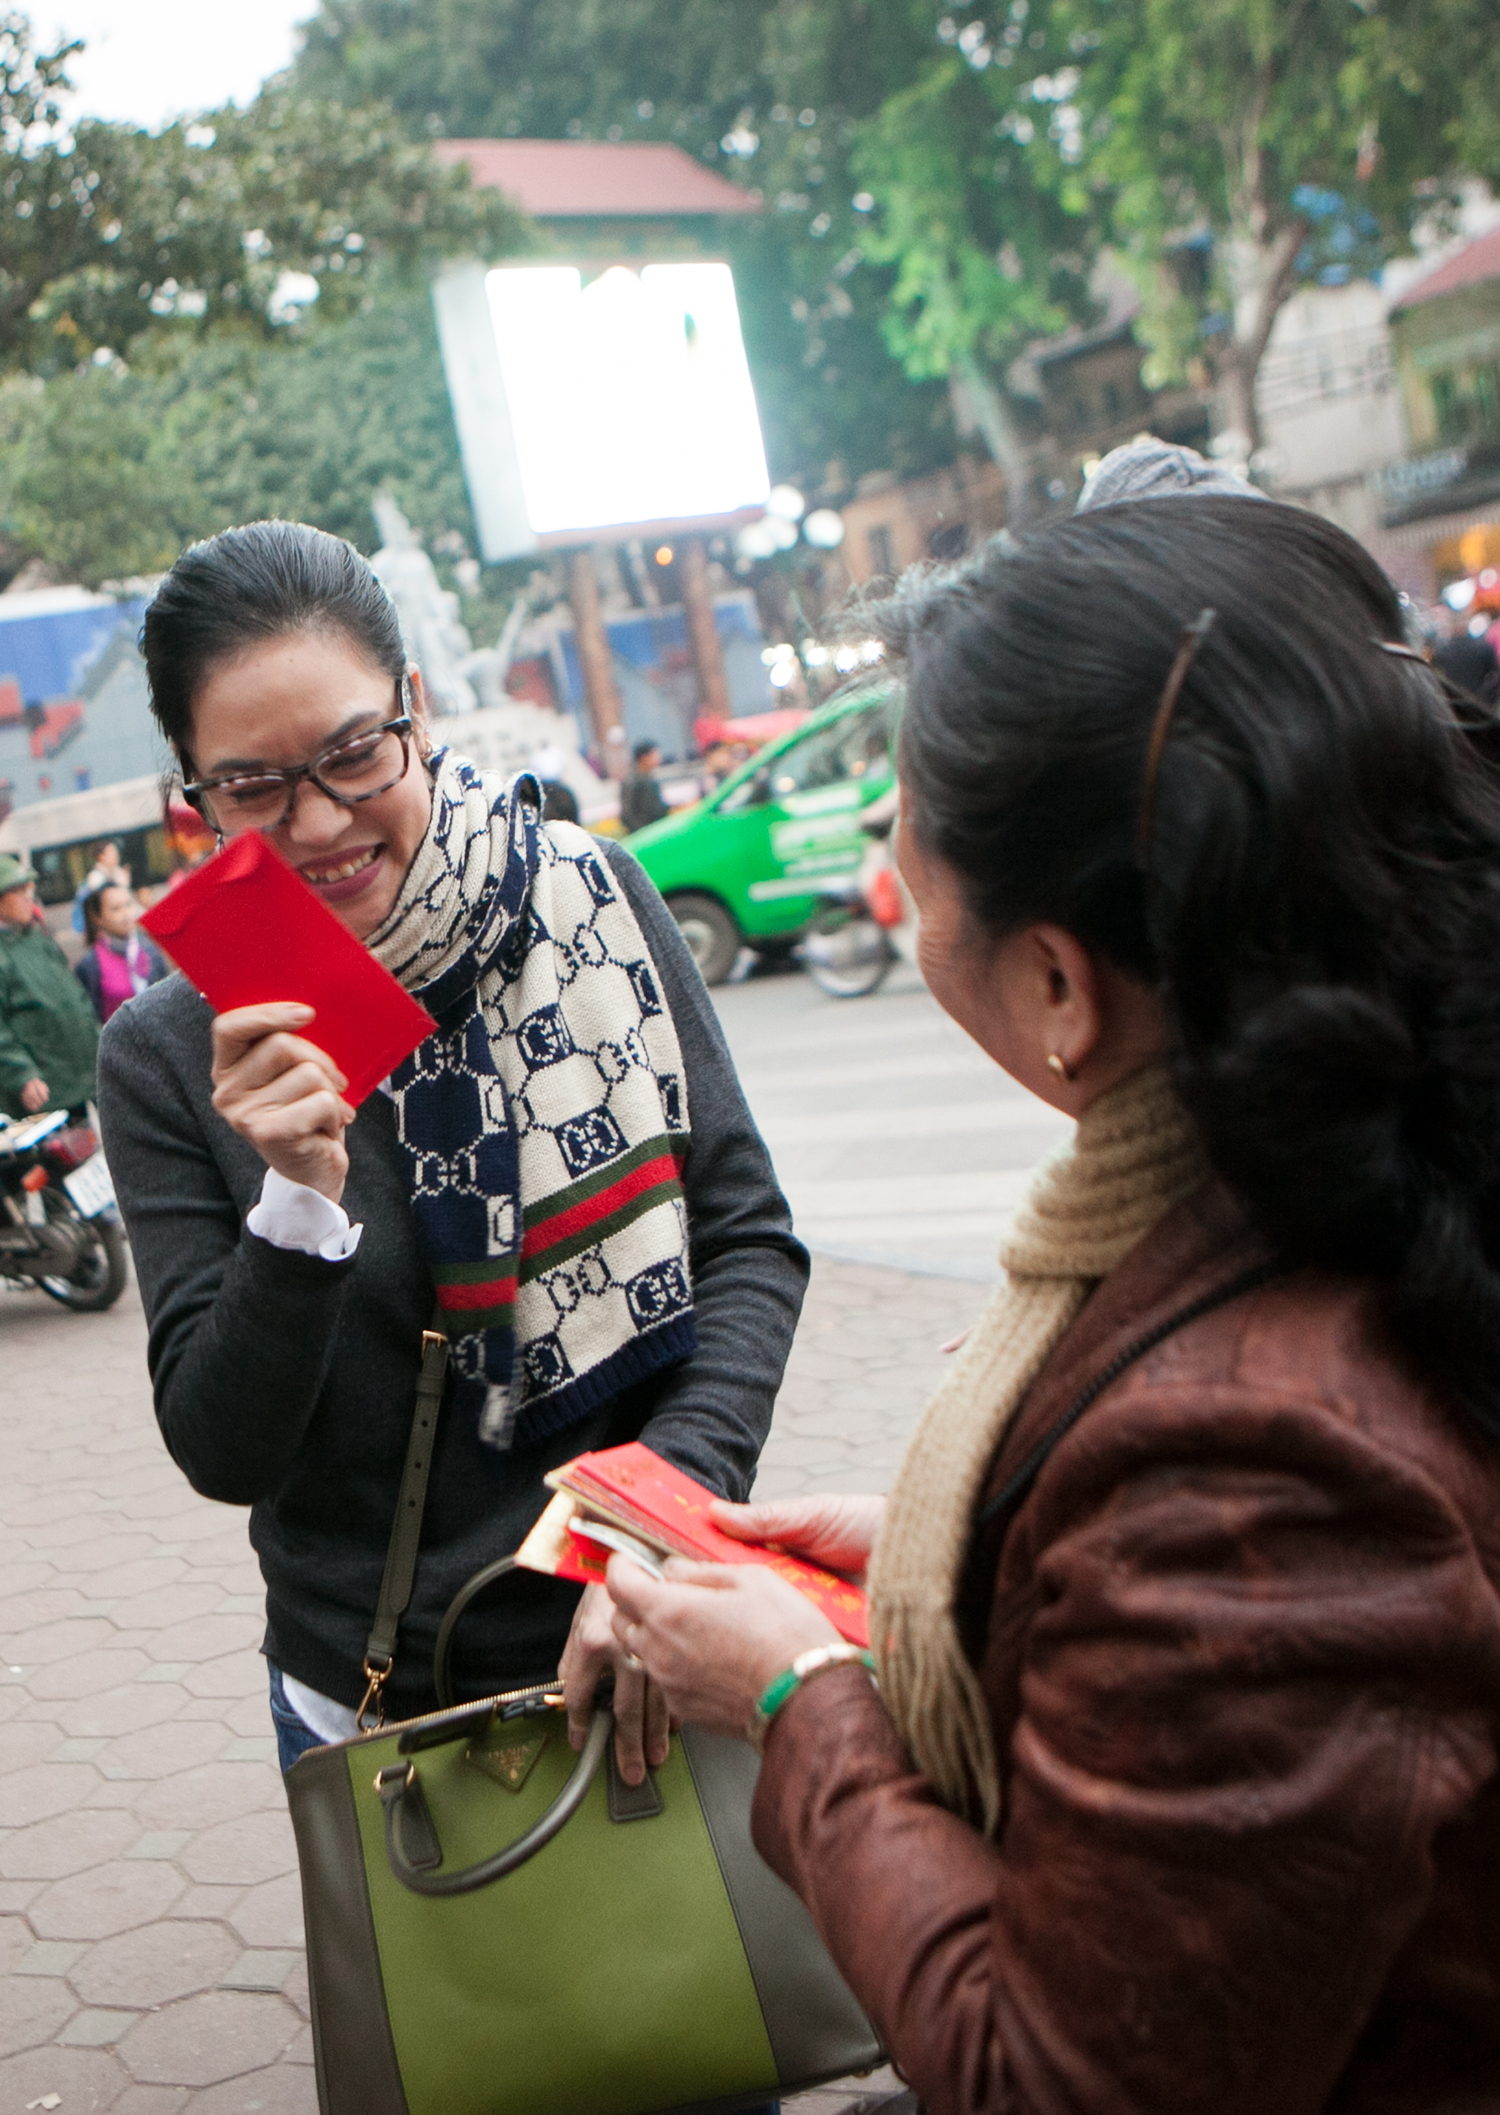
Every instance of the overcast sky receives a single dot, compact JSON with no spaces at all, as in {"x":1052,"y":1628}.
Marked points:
{"x":150,"y":60}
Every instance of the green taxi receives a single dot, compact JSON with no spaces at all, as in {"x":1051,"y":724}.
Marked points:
{"x":744,"y":867}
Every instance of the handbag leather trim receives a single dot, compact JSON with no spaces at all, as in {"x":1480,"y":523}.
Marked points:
{"x":642,"y":1802}
{"x":812,"y":2018}
{"x":353,"y":2048}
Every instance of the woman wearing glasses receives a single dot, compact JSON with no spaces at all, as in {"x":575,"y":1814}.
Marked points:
{"x":566,"y":1169}
{"x":1180,"y":1790}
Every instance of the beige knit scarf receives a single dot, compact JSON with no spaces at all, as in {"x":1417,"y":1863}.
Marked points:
{"x":1134,"y":1155}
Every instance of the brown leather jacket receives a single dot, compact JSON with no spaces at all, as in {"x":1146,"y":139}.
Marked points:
{"x":1242,"y":1652}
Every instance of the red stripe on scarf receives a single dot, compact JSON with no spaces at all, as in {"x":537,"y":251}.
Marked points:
{"x":491,"y":1292}
{"x":600,"y":1205}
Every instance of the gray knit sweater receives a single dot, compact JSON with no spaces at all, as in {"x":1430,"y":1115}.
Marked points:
{"x":285,"y":1383}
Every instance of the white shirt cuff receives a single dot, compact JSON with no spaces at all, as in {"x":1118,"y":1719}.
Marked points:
{"x":290,"y":1215}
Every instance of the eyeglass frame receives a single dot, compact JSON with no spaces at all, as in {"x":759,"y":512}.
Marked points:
{"x":291,"y":776}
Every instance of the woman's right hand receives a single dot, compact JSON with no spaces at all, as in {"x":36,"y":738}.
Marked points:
{"x":837,"y":1531}
{"x":283,"y":1095}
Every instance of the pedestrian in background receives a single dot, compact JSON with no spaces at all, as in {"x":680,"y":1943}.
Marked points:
{"x":108,"y":869}
{"x":49,"y":1038}
{"x":640,"y":796}
{"x":1180,"y":1791}
{"x":559,"y":802}
{"x":117,"y":961}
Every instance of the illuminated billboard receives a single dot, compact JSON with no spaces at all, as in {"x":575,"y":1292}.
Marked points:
{"x":599,"y":408}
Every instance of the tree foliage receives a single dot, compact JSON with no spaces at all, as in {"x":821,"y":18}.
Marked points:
{"x":770,"y":92}
{"x":108,"y":471}
{"x":108,"y":230}
{"x":1234,"y":149}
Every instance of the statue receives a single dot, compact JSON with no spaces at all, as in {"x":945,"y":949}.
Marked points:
{"x":430,"y":624}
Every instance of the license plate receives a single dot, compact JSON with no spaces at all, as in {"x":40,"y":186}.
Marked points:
{"x":90,"y":1187}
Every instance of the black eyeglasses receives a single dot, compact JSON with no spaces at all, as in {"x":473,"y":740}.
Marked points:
{"x":351,"y":771}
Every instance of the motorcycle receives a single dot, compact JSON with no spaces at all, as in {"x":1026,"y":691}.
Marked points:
{"x":864,"y":923}
{"x":58,"y":1226}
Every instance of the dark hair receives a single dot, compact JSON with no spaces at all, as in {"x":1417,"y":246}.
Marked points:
{"x":251,"y":584}
{"x":559,"y":803}
{"x":644,"y":749}
{"x":1472,"y":665}
{"x":93,"y":909}
{"x":1320,"y":906}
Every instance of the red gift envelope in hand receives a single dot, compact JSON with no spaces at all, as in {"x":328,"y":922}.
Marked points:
{"x":245,"y":928}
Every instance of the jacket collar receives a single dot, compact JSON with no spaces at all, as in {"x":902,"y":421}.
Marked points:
{"x":1201,"y":1244}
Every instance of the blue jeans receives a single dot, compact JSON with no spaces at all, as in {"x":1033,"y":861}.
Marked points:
{"x":294,"y":1737}
{"x":293,"y":1734}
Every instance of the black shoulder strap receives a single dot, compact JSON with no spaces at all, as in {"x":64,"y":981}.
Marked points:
{"x":406,"y":1531}
{"x":1015,"y":1490}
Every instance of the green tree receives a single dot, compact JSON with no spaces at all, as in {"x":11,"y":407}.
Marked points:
{"x":1233,"y":149}
{"x":109,"y":470}
{"x":770,"y":92}
{"x":109,"y":230}
{"x":984,"y":258}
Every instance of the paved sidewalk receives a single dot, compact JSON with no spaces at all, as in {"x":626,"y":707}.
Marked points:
{"x":150,"y":1925}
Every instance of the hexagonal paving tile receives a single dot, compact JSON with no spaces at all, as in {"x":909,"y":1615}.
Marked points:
{"x":155,"y":1966}
{"x":285,"y":2089}
{"x":271,"y":1914}
{"x":157,"y":1758}
{"x":120,"y":1896}
{"x":87,"y":2081}
{"x":252,"y":1848}
{"x":50,"y":1850}
{"x":32,"y":2010}
{"x":202,"y":2040}
{"x":211,"y":1792}
{"x":37,"y":1793}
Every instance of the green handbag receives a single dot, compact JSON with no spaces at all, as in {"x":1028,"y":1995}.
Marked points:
{"x":497,"y":1926}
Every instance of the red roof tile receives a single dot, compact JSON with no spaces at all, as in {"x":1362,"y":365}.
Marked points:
{"x":1475,"y":263}
{"x":570,"y":179}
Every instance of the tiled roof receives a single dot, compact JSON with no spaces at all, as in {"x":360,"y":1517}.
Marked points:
{"x":573,"y":179}
{"x":1475,"y":263}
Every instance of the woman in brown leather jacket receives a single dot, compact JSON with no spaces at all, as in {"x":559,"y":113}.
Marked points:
{"x":1179,"y":1788}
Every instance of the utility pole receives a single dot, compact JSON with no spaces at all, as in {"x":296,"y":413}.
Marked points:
{"x":599,"y":688}
{"x":703,"y":629}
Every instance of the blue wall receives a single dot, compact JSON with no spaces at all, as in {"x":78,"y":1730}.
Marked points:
{"x":83,"y":658}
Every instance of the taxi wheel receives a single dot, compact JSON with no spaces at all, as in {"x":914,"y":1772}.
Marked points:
{"x":712,"y":936}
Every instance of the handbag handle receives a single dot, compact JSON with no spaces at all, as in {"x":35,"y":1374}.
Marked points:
{"x":400,"y":1790}
{"x":442,"y":1673}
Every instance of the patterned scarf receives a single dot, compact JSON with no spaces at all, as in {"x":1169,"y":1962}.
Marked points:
{"x":544,"y":1123}
{"x":1134,"y":1155}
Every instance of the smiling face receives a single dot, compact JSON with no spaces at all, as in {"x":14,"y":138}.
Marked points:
{"x":284,"y":703}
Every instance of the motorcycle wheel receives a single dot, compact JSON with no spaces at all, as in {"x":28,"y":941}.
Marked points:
{"x":848,"y":957}
{"x":100,"y":1277}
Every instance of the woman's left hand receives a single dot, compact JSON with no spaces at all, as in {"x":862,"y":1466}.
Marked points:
{"x":642,"y":1728}
{"x":711,"y":1636}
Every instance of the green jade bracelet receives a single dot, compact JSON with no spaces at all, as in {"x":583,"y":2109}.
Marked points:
{"x":802,"y":1669}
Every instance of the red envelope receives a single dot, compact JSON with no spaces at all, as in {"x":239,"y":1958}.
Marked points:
{"x":245,"y":928}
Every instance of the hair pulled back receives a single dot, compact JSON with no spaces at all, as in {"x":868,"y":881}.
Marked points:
{"x":1320,"y":905}
{"x":247,"y":585}
{"x":93,"y":911}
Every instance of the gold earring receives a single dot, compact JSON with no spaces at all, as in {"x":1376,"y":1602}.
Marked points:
{"x":1058,"y":1066}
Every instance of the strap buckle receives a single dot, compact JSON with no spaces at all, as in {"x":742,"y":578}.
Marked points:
{"x":377,"y":1677}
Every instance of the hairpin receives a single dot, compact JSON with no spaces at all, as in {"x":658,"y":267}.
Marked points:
{"x":1193,"y":636}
